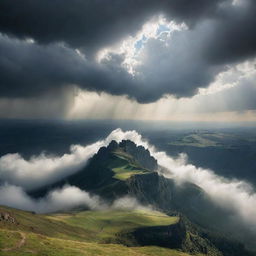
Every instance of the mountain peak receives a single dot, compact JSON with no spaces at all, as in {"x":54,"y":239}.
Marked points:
{"x":138,"y":153}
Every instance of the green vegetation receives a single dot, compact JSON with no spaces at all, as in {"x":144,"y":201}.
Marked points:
{"x":41,"y":224}
{"x":126,"y":171}
{"x":199,"y":140}
{"x":78,"y":233}
{"x":124,"y":166}
{"x":202,"y":139}
{"x":9,"y":239}
{"x":118,"y":232}
{"x":38,"y":245}
{"x":105,"y":225}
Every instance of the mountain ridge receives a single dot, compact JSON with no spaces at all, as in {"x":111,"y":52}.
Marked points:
{"x":125,"y":169}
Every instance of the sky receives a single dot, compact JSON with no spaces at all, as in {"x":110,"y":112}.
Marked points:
{"x":178,"y":60}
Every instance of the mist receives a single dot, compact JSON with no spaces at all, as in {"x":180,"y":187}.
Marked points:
{"x":130,"y":203}
{"x":45,"y":169}
{"x":237,"y":196}
{"x":62,"y":199}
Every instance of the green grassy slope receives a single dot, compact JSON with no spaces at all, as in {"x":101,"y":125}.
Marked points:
{"x":78,"y":234}
{"x":47,"y":246}
{"x":124,"y":166}
{"x":105,"y":225}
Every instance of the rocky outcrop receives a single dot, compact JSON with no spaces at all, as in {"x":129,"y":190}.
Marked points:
{"x":151,"y":188}
{"x":6,"y":217}
{"x":140,"y":154}
{"x":98,"y":177}
{"x":176,"y":236}
{"x":163,"y":236}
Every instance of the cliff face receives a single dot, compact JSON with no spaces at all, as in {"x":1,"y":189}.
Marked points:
{"x":98,"y":174}
{"x":152,"y":189}
{"x":178,"y":236}
{"x":140,"y":154}
{"x":125,"y":169}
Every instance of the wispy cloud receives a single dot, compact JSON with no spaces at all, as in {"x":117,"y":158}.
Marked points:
{"x":65,"y":198}
{"x":42,"y":170}
{"x":235,"y":195}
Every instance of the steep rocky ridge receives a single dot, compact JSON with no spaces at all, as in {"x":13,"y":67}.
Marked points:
{"x":125,"y":169}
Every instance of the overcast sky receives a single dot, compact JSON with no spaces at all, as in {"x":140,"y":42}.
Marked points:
{"x":184,"y":60}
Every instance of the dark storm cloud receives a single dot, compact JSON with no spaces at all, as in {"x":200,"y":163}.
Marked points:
{"x":233,"y":36}
{"x":29,"y":69}
{"x":176,"y":65}
{"x":218,"y":33}
{"x":92,"y":23}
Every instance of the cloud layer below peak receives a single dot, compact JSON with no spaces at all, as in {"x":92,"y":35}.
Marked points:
{"x":235,"y":196}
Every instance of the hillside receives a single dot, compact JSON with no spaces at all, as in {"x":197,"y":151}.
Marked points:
{"x":124,"y":169}
{"x":111,"y":166}
{"x":82,"y":233}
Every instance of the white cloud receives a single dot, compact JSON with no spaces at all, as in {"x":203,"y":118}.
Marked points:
{"x":158,"y":27}
{"x":234,"y":195}
{"x":237,"y":196}
{"x":234,"y":75}
{"x":129,"y":203}
{"x":65,"y":198}
{"x":41,"y":170}
{"x":62,"y":199}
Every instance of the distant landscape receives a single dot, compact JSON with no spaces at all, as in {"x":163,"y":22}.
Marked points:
{"x":228,"y":151}
{"x":127,"y":128}
{"x":129,"y":206}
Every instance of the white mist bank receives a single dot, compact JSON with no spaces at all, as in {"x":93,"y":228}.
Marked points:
{"x":63,"y":199}
{"x":44,"y":169}
{"x":236,"y":196}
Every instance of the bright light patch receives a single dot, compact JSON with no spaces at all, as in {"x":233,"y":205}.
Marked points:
{"x":80,"y":53}
{"x":30,"y":40}
{"x":158,"y":27}
{"x":231,"y":77}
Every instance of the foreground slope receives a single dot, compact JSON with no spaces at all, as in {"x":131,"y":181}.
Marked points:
{"x":83,"y":233}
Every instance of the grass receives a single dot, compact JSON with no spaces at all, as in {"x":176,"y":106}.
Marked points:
{"x":79,"y":233}
{"x":106,"y":224}
{"x":41,"y":224}
{"x":197,"y":140}
{"x":124,"y":166}
{"x":126,"y":171}
{"x":38,"y":245}
{"x":8,"y":238}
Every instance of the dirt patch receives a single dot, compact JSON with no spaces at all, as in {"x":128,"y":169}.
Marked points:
{"x":18,"y":244}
